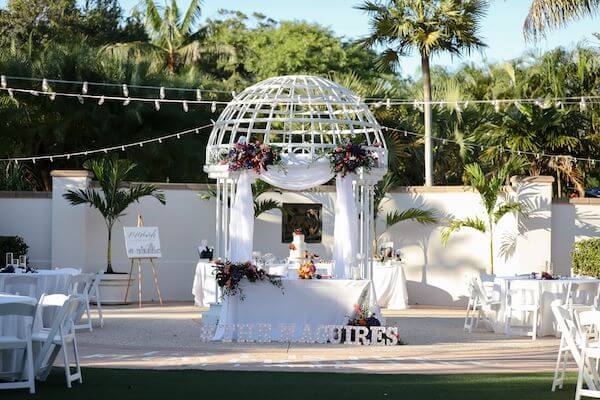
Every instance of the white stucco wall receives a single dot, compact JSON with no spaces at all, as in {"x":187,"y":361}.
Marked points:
{"x":28,"y":215}
{"x":436,"y":274}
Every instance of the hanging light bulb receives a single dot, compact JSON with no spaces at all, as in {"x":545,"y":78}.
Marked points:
{"x":538,"y":102}
{"x":105,"y":151}
{"x":11,"y":94}
{"x":80,"y":98}
{"x":233,"y":94}
{"x":582,"y":104}
{"x":496,"y":106}
{"x":68,"y":156}
{"x":213,"y":107}
{"x":178,"y":136}
{"x":84,"y":88}
{"x":45,"y":86}
{"x":377,"y":104}
{"x":51,"y":159}
{"x":122,"y":148}
{"x":466,"y":103}
{"x":517,"y":103}
{"x":184,"y":105}
{"x":126,"y":102}
{"x":34,"y":93}
{"x":198,"y":95}
{"x":52,"y":96}
{"x":388,"y":104}
{"x":33,"y":159}
{"x":405,"y":134}
{"x":101,"y":100}
{"x":141,"y":144}
{"x":159,"y":140}
{"x":125,"y":90}
{"x":559,"y":104}
{"x":3,"y":81}
{"x":162,"y":92}
{"x":197,"y":131}
{"x":157,"y":105}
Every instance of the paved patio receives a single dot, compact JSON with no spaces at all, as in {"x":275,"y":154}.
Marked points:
{"x":168,"y":338}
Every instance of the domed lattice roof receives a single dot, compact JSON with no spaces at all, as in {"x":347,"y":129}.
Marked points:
{"x":299,"y":114}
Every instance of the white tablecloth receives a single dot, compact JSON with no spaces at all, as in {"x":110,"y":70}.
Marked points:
{"x":313,"y":302}
{"x":389,"y":281}
{"x":553,"y":292}
{"x":46,"y":281}
{"x":13,"y":326}
{"x":390,"y":285}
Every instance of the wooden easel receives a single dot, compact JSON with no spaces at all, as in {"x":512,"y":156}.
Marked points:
{"x":138,"y":261}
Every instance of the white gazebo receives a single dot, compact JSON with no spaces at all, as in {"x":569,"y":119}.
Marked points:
{"x":303,"y":116}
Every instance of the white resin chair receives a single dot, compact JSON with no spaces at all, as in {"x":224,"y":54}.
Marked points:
{"x":26,"y":377}
{"x":588,"y":325}
{"x":480,"y":305}
{"x":94,"y":294}
{"x":582,"y":293}
{"x":526,"y":302}
{"x":81,"y":285}
{"x":22,"y":285}
{"x":57,"y":337}
{"x":69,"y":270}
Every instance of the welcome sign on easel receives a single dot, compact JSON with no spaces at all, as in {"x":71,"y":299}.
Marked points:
{"x":142,"y":242}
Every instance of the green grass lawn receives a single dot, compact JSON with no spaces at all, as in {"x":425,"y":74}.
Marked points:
{"x":115,"y":384}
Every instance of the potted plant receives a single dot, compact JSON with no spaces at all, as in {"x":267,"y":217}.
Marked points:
{"x":112,"y":201}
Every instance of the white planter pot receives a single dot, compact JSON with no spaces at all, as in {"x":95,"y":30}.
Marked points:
{"x":113,"y":288}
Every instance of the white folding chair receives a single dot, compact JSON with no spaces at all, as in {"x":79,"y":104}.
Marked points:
{"x":69,"y":270}
{"x":588,"y":326}
{"x":26,"y":377}
{"x":81,"y":285}
{"x":480,"y":305}
{"x":570,"y":342}
{"x":57,"y":337}
{"x":23,"y":285}
{"x":526,"y":301}
{"x":94,"y":295}
{"x":582,"y":293}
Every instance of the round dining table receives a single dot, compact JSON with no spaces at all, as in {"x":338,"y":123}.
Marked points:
{"x":48,"y":281}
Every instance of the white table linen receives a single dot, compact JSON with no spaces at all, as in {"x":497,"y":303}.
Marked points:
{"x":313,"y":302}
{"x":552,"y":292}
{"x":390,"y":285}
{"x":47,"y":281}
{"x":388,"y":278}
{"x":14,"y":326}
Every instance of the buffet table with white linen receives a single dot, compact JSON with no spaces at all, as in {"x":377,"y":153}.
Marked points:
{"x":55,"y":281}
{"x":388,"y":278}
{"x":313,"y":302}
{"x":14,"y":326}
{"x":552,"y":292}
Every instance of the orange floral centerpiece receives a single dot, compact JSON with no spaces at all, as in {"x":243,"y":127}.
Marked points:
{"x":308,"y":269}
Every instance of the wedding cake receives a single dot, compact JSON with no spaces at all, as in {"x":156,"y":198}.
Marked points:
{"x":298,"y":246}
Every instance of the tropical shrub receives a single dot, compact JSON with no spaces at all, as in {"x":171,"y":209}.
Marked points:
{"x":586,"y":257}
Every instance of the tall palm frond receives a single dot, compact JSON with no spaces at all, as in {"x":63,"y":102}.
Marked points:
{"x":423,"y":216}
{"x":545,"y":15}
{"x":458,"y":224}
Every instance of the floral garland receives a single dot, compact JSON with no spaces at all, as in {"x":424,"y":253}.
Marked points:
{"x":230,"y":274}
{"x":349,"y":156}
{"x":256,"y":156}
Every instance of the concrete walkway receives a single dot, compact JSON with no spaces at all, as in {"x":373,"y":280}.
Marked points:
{"x":168,"y":338}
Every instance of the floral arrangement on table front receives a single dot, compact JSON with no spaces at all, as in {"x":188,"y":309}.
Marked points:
{"x":256,"y":156}
{"x":308,"y":269}
{"x":363,"y":316}
{"x":349,"y":156}
{"x":229,"y":276}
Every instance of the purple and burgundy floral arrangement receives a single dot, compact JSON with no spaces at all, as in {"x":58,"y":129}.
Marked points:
{"x":349,"y":156}
{"x":229,"y":275}
{"x":256,"y":156}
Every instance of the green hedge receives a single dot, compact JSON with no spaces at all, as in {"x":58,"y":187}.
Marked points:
{"x":12,"y":244}
{"x":586,"y":257}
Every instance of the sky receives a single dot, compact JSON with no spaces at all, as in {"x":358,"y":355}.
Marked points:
{"x":501,"y":28}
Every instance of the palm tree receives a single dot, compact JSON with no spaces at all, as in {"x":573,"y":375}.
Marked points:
{"x":172,"y":39}
{"x":423,"y":216}
{"x":430,"y":27}
{"x":546,"y":15}
{"x":110,"y":200}
{"x":489,"y":189}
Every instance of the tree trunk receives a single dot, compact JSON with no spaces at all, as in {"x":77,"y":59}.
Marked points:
{"x":491,"y":245}
{"x":428,"y":119}
{"x":109,"y":269}
{"x":171,"y":62}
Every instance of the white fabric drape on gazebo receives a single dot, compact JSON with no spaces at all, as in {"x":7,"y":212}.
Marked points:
{"x":299,"y":172}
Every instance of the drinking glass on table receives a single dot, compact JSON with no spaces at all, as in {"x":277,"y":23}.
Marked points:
{"x":23,"y":261}
{"x":9,"y":259}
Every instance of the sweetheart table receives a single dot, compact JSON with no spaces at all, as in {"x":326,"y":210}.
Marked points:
{"x":313,"y":302}
{"x":388,"y":278}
